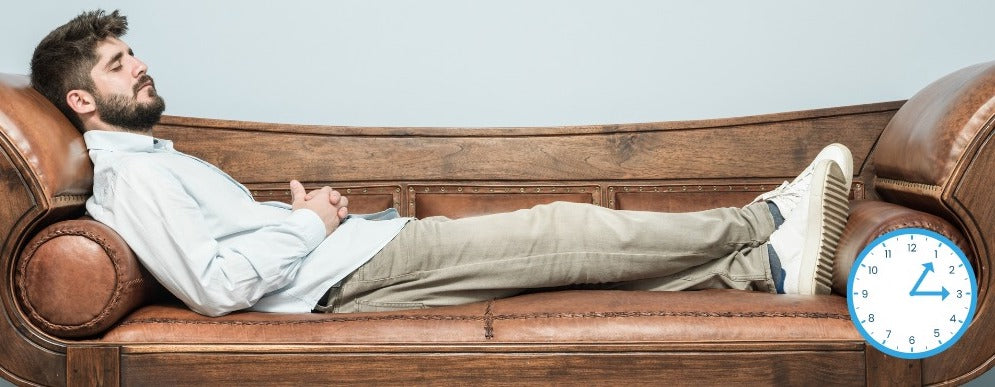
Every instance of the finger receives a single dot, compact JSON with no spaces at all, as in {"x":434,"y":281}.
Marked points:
{"x":343,"y":202}
{"x":296,"y":191}
{"x":324,"y":191}
{"x":311,"y":194}
{"x":343,"y":212}
{"x":334,"y":197}
{"x":316,"y":192}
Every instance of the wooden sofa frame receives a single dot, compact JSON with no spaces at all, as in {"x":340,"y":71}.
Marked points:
{"x":924,"y":162}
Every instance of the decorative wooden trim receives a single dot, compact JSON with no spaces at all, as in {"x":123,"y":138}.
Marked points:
{"x":268,"y":193}
{"x":524,"y":189}
{"x":613,"y":190}
{"x":505,"y":189}
{"x":884,"y":370}
{"x":856,"y":191}
{"x":802,"y":115}
{"x":93,"y":366}
{"x":481,"y":368}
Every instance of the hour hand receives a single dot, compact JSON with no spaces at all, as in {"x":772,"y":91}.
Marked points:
{"x":943,"y":293}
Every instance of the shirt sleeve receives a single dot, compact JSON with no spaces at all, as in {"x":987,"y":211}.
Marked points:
{"x":165,"y":226}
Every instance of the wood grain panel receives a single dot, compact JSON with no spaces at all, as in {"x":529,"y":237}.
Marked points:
{"x":93,"y":366}
{"x":698,"y":368}
{"x":463,"y":201}
{"x":732,"y":148}
{"x":884,"y":370}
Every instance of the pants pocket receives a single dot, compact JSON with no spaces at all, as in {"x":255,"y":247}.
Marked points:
{"x":376,"y":306}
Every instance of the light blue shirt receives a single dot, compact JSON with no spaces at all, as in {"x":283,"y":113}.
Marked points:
{"x":204,"y":237}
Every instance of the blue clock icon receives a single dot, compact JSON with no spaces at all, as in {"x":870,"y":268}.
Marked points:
{"x":912,"y":293}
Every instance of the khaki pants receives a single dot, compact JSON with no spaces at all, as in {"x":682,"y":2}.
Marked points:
{"x":438,"y":261}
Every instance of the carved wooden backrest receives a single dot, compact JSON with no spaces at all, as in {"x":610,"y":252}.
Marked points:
{"x":662,"y":166}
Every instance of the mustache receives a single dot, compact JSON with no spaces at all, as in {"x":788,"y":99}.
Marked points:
{"x":145,"y":79}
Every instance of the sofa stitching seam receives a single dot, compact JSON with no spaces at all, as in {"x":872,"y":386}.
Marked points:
{"x":70,"y":199}
{"x":489,"y":321}
{"x":115,"y":296}
{"x":908,"y":184}
{"x":502,"y":317}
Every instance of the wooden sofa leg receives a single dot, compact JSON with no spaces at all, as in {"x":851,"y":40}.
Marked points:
{"x":93,"y":366}
{"x":884,"y":370}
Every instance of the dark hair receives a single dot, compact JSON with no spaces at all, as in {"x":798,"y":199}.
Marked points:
{"x":63,"y":60}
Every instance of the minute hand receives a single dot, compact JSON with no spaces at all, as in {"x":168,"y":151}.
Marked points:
{"x":943,"y":293}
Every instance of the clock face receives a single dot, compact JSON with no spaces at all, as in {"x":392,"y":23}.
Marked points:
{"x":912,"y":293}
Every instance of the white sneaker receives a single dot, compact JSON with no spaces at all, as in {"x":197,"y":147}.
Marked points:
{"x":788,"y":195}
{"x":806,"y":242}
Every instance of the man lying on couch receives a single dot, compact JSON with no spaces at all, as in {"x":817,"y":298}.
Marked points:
{"x":205,"y":238}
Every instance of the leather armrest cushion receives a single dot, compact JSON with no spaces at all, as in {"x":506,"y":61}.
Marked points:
{"x":77,"y":278}
{"x":870,"y":219}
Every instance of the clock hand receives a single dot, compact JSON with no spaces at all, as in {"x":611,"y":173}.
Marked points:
{"x":943,"y":293}
{"x":927,"y":267}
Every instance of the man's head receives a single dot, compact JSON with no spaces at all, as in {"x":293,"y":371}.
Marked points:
{"x":93,"y":77}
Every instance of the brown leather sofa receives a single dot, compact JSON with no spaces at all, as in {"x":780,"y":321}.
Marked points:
{"x":78,"y":309}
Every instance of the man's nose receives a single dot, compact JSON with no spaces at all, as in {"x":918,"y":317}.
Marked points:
{"x":140,"y":68}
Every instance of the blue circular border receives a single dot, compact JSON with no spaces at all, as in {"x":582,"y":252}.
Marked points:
{"x":944,"y":240}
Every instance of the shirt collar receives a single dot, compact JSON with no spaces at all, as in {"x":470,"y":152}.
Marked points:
{"x":124,"y":141}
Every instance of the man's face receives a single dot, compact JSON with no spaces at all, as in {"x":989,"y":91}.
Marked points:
{"x":125,"y":95}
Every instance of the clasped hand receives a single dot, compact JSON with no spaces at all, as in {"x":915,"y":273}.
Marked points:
{"x":329,"y":204}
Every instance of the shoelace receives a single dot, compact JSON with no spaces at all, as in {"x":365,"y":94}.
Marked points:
{"x":795,"y":190}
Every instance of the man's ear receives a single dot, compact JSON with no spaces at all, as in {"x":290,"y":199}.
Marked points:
{"x":81,"y":101}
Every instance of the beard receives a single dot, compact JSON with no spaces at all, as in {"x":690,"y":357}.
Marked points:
{"x":127,"y":113}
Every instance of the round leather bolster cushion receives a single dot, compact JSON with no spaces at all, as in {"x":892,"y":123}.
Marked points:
{"x":77,"y":278}
{"x":870,"y":219}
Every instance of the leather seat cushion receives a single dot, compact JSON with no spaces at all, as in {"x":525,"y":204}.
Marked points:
{"x":566,"y":316}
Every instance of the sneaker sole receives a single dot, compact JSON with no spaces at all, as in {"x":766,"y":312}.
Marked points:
{"x":826,"y":223}
{"x":846,"y":158}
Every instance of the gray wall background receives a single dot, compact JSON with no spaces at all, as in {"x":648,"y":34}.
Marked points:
{"x":527,"y":62}
{"x":524,"y":62}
